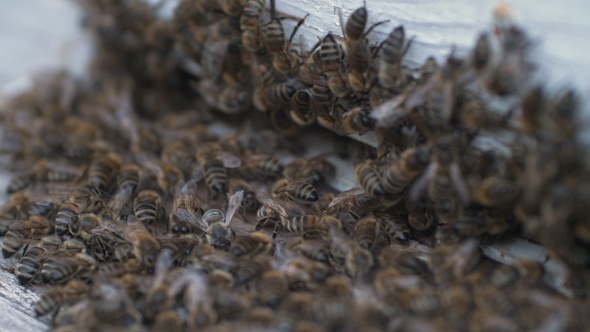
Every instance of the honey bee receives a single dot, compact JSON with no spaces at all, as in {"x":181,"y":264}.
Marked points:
{"x":59,"y":269}
{"x":20,"y":182}
{"x":81,"y":200}
{"x":273,"y":288}
{"x":322,"y":101}
{"x":35,"y":227}
{"x":298,"y":191}
{"x":84,"y":223}
{"x":332,"y":304}
{"x":54,"y":298}
{"x":357,"y":260}
{"x":369,"y":178}
{"x":146,"y":206}
{"x":442,"y":179}
{"x":170,"y":321}
{"x":263,"y":165}
{"x":252,"y":37}
{"x":102,"y":170}
{"x":273,"y":97}
{"x":331,"y":63}
{"x":213,"y":162}
{"x":481,"y":56}
{"x":186,"y":208}
{"x":394,"y":48}
{"x":312,"y":249}
{"x":422,"y":220}
{"x":351,"y":201}
{"x":249,"y":202}
{"x":396,"y":232}
{"x":216,"y":224}
{"x":367,"y":232}
{"x":357,"y":49}
{"x":145,"y":246}
{"x":127,"y":181}
{"x":255,"y":243}
{"x":30,"y":263}
{"x":250,"y":269}
{"x":495,"y":191}
{"x":313,"y":170}
{"x":533,"y":111}
{"x":12,"y":243}
{"x":357,"y":121}
{"x":179,"y":154}
{"x":302,"y":112}
{"x":474,"y":115}
{"x":284,"y":60}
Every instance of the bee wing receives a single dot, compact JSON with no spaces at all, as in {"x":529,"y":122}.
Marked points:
{"x":344,"y":196}
{"x":197,"y":173}
{"x":272,"y":203}
{"x":230,"y":160}
{"x":388,"y":113}
{"x":420,"y":185}
{"x":234,"y":203}
{"x":192,"y":218}
{"x":459,"y":184}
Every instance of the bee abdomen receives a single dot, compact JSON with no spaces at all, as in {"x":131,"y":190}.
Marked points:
{"x":216,"y":176}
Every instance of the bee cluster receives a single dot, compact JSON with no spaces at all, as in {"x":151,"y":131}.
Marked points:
{"x":138,"y":215}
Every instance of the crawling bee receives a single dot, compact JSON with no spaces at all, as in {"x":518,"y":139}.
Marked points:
{"x":30,"y":263}
{"x":216,"y":224}
{"x":146,"y":206}
{"x":249,"y":202}
{"x":357,"y":49}
{"x":213,"y":163}
{"x":186,"y":208}
{"x":393,"y":50}
{"x":145,"y":246}
{"x":54,"y":298}
{"x":255,"y":243}
{"x":330,"y":54}
{"x":102,"y":170}
{"x":284,"y":60}
{"x":299,"y":191}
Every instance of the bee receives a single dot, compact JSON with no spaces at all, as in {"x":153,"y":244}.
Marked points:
{"x":186,"y":207}
{"x":127,"y":181}
{"x":322,"y":101}
{"x":81,"y":200}
{"x":84,"y":223}
{"x":495,"y":191}
{"x":298,"y":191}
{"x":284,"y":60}
{"x":146,"y":206}
{"x":170,"y":321}
{"x":54,"y":298}
{"x":356,"y":48}
{"x":313,"y":170}
{"x":30,"y":263}
{"x":331,"y":57}
{"x":253,"y":244}
{"x":249,"y":202}
{"x":35,"y":227}
{"x":273,"y":97}
{"x":332,"y":304}
{"x":102,"y":170}
{"x":249,"y":269}
{"x":394,"y":48}
{"x":302,"y":112}
{"x":313,"y":249}
{"x":354,"y":201}
{"x":145,"y":246}
{"x":357,"y":121}
{"x":213,"y":162}
{"x":180,"y":155}
{"x":442,"y":179}
{"x":216,"y":224}
{"x":474,"y":115}
{"x":367,"y":232}
{"x":395,"y":231}
{"x":20,"y":182}
{"x":273,"y":288}
{"x":357,"y":260}
{"x":422,"y":220}
{"x":252,"y":37}
{"x":197,"y":298}
{"x":12,"y":243}
{"x":481,"y":55}
{"x":368,"y":176}
{"x":533,"y":111}
{"x":59,"y":269}
{"x":117,"y":269}
{"x":263,"y":165}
